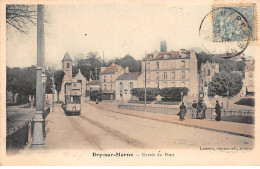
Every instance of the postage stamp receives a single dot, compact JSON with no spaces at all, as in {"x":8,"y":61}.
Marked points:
{"x":234,"y":23}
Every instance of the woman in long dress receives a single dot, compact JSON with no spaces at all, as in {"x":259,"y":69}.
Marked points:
{"x":218,"y":111}
{"x":182,"y":111}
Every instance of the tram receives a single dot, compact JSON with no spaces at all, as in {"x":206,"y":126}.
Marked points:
{"x":73,"y":93}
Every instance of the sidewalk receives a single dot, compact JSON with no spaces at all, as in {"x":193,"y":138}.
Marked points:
{"x":241,"y":129}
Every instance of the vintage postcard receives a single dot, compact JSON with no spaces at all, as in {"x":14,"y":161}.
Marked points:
{"x":134,"y":83}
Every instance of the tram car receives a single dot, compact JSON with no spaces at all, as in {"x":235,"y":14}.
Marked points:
{"x":73,"y":93}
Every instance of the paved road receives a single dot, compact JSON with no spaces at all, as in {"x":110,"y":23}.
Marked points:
{"x":103,"y":130}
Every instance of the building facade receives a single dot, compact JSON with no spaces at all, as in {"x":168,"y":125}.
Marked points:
{"x":172,"y":69}
{"x":107,"y":80}
{"x":248,"y":82}
{"x":124,"y":85}
{"x":207,"y":71}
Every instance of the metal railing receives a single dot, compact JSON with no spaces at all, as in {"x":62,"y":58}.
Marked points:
{"x":234,"y":115}
{"x":17,"y":138}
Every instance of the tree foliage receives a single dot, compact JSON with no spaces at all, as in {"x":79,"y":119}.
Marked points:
{"x":58,"y":76}
{"x":151,"y":93}
{"x":128,"y":60}
{"x":224,"y":64}
{"x":226,"y":84}
{"x":21,"y":81}
{"x":163,"y":46}
{"x":20,"y":16}
{"x":173,"y":93}
{"x":86,"y":63}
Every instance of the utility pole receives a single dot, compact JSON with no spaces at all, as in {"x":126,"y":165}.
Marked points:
{"x":53,"y":88}
{"x":103,"y":58}
{"x":37,"y":137}
{"x":145,"y":82}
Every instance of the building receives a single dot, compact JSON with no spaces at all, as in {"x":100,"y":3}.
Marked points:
{"x":107,"y":80}
{"x":67,"y":78}
{"x":248,"y":82}
{"x":82,"y":79}
{"x":207,"y":71}
{"x":125,"y":83}
{"x":172,"y":69}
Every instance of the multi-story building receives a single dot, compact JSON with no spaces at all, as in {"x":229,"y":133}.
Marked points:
{"x":172,"y":69}
{"x":207,"y":71}
{"x":248,"y":82}
{"x":107,"y":80}
{"x":125,"y":83}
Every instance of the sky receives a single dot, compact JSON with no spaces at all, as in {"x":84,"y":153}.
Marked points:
{"x":115,"y":29}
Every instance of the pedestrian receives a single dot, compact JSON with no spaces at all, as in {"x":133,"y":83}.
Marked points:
{"x":204,"y":107}
{"x":199,"y":108}
{"x":218,"y":111}
{"x":182,"y":111}
{"x":194,"y":109}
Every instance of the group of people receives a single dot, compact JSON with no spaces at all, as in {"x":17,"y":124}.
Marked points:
{"x":199,"y":110}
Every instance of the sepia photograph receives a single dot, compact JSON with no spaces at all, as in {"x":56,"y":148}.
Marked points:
{"x":129,"y":83}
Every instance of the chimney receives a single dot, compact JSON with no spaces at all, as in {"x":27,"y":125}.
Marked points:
{"x":126,"y":69}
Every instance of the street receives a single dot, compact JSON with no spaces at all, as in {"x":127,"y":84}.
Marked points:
{"x":103,"y":130}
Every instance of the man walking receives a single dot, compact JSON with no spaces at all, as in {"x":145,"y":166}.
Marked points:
{"x":182,"y":111}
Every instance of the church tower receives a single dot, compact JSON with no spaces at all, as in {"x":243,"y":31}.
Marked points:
{"x":67,"y":78}
{"x":67,"y":67}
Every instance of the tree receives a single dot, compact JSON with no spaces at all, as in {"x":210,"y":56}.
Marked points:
{"x":225,"y":84}
{"x":58,"y":76}
{"x":163,"y":46}
{"x":128,"y":60}
{"x":91,"y":62}
{"x":224,"y":63}
{"x":19,"y":16}
{"x":173,"y":93}
{"x":151,"y":93}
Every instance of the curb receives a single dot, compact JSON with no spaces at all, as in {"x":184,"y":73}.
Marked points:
{"x":187,"y":125}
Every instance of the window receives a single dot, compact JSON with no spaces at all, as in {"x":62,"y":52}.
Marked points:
{"x":202,"y":81}
{"x":183,"y":74}
{"x":110,"y":78}
{"x":131,"y":85}
{"x":79,"y":81}
{"x":165,"y":75}
{"x":157,"y":75}
{"x":250,"y":74}
{"x":157,"y":65}
{"x":105,"y":87}
{"x":173,"y":75}
{"x":208,"y":72}
{"x":121,"y":93}
{"x":158,"y":84}
{"x":111,"y":87}
{"x":121,"y":85}
{"x":164,"y":84}
{"x":105,"y":78}
{"x":68,"y":65}
{"x":182,"y":84}
{"x":173,"y":84}
{"x":183,"y":64}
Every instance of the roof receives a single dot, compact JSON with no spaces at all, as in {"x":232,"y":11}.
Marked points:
{"x":111,"y":69}
{"x":129,"y":76}
{"x":66,"y":57}
{"x":93,"y":82}
{"x":170,"y":55}
{"x":252,"y":68}
{"x":79,"y":75}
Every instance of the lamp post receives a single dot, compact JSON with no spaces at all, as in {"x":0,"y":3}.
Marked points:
{"x":37,"y":123}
